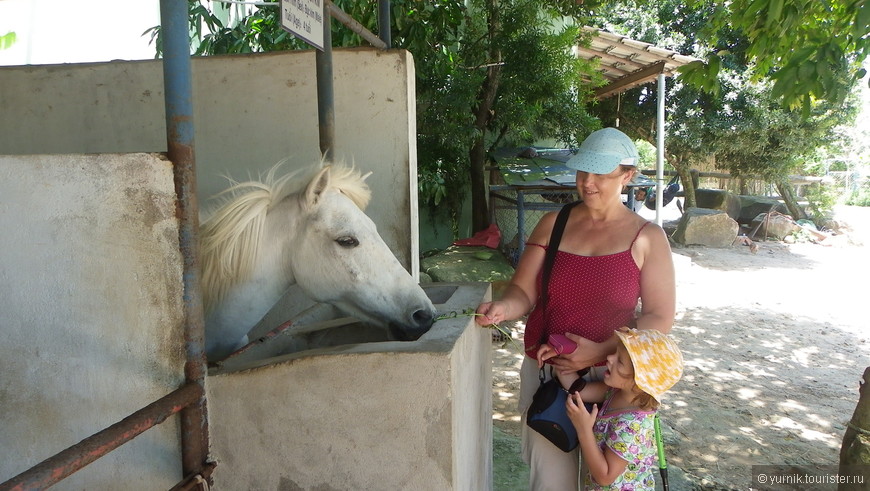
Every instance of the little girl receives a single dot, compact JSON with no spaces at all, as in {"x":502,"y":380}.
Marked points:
{"x":617,"y":440}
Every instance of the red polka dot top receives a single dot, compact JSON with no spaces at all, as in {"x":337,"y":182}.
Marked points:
{"x":590,"y":296}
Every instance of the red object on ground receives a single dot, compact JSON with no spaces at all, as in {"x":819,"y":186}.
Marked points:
{"x":491,"y":237}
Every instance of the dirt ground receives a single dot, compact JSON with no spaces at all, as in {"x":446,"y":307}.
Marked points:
{"x":775,"y":344}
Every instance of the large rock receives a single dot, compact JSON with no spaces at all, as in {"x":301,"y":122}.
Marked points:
{"x":719,"y":199}
{"x":774,"y":226}
{"x":752,"y":206}
{"x":702,"y":226}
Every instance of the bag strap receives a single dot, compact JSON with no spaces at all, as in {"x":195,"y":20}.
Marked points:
{"x":552,"y":248}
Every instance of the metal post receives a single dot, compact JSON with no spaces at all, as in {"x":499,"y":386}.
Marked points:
{"x":179,"y":133}
{"x":660,"y":148}
{"x":384,"y":22}
{"x":325,"y":95}
{"x":521,"y":223}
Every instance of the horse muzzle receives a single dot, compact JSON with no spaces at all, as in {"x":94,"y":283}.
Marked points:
{"x":419,"y":324}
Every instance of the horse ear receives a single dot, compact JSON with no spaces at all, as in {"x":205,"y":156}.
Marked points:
{"x":316,"y":187}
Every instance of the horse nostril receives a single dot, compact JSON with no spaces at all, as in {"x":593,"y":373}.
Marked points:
{"x":423,"y":317}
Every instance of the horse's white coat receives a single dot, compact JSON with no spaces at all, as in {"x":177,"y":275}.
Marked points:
{"x":254,"y":249}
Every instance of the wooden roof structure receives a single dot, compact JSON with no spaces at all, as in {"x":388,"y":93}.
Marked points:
{"x":627,"y":63}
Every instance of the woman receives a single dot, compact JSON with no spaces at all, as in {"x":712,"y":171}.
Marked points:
{"x":608,"y":259}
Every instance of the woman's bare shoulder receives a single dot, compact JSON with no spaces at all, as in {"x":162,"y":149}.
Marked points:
{"x":541,"y":233}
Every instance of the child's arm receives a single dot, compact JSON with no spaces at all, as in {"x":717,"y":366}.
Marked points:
{"x":594,"y":392}
{"x":605,"y":466}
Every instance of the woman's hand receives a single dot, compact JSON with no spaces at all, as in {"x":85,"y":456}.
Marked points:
{"x":578,"y":414}
{"x":588,"y":353}
{"x":491,"y":313}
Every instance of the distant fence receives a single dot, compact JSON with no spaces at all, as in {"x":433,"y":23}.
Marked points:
{"x":745,"y":185}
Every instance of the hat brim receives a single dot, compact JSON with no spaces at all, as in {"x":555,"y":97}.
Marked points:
{"x":598,"y":163}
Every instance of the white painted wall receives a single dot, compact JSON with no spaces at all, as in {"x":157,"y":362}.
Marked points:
{"x":90,"y":312}
{"x":250,"y":111}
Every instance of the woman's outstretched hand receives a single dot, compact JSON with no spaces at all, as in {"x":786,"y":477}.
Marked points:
{"x":491,"y":313}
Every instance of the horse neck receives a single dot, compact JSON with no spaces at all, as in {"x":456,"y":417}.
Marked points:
{"x":273,"y":264}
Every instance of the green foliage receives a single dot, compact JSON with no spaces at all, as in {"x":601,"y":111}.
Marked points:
{"x":7,"y":40}
{"x":811,"y":50}
{"x":822,"y":199}
{"x":741,"y":122}
{"x":859,"y":197}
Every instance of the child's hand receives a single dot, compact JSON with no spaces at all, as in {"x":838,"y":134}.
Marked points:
{"x":545,"y":352}
{"x":578,"y":413}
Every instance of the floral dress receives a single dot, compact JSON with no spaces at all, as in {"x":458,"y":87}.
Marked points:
{"x":630,"y":434}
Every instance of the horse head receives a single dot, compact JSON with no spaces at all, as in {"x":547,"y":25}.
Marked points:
{"x":337,"y":256}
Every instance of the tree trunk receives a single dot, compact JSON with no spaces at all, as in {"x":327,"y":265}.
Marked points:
{"x":686,"y":179}
{"x":856,"y":441}
{"x":787,"y":192}
{"x":482,"y":117}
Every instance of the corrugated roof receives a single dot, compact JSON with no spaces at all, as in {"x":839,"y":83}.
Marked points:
{"x":627,"y":63}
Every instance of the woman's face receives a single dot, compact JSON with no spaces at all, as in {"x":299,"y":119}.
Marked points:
{"x":602,"y":187}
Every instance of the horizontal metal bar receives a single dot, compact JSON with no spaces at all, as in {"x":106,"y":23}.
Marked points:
{"x":73,"y":459}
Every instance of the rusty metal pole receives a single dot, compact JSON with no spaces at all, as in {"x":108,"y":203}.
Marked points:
{"x":180,"y":145}
{"x":56,"y":468}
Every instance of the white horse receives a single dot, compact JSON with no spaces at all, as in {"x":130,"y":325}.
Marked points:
{"x":306,"y":228}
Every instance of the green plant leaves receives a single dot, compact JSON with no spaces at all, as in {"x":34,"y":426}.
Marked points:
{"x":7,"y":40}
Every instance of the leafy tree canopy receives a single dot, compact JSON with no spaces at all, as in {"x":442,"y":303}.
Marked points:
{"x":741,"y":126}
{"x":804,"y":46}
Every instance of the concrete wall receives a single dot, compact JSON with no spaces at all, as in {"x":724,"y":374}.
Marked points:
{"x":90,"y":312}
{"x":250,"y":111}
{"x":388,"y":415}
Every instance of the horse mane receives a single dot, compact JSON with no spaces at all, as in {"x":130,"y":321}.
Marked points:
{"x":231,"y":235}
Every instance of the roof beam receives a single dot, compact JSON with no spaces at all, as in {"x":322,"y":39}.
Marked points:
{"x":631,"y":80}
{"x":609,"y":58}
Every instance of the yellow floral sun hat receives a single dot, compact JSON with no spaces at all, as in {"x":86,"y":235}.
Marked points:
{"x":658,"y":363}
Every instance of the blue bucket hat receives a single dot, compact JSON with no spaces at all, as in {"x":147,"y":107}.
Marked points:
{"x":603,"y":151}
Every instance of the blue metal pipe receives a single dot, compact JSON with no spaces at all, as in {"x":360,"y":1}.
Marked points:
{"x":325,"y":92}
{"x":178,"y":94}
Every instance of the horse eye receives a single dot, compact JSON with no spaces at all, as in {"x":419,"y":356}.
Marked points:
{"x":347,"y":241}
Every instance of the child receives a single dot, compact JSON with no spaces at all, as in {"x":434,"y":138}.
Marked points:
{"x":617,"y":440}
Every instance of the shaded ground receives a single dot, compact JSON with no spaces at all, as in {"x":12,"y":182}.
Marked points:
{"x":775,"y":344}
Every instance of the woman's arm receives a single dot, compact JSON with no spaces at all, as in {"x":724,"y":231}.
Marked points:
{"x":658,"y":293}
{"x":522,"y":292}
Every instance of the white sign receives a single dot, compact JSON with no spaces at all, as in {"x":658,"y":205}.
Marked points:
{"x":304,"y":19}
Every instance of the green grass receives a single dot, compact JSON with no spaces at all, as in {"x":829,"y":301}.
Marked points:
{"x":509,"y":472}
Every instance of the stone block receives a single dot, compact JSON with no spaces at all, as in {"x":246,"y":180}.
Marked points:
{"x":751,"y":206}
{"x":776,"y":226}
{"x":702,"y":226}
{"x":719,"y":199}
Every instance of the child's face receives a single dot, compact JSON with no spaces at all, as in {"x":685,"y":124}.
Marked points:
{"x":620,"y":371}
